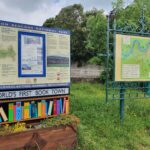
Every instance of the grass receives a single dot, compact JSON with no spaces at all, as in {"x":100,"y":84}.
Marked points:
{"x":100,"y":127}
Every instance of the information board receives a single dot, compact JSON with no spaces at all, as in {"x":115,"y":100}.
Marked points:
{"x":33,"y":56}
{"x":132,"y":58}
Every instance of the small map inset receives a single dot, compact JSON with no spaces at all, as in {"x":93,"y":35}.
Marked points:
{"x":7,"y":52}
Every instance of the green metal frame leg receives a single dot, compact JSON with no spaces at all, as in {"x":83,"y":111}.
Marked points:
{"x":122,"y":93}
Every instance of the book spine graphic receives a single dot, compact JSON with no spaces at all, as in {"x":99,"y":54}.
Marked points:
{"x":43,"y":108}
{"x":64,"y":106}
{"x":39,"y":109}
{"x":58,"y":107}
{"x":3,"y":114}
{"x":26,"y":110}
{"x":61,"y":106}
{"x":18,"y":111}
{"x":11,"y":112}
{"x":14,"y":112}
{"x":33,"y":110}
{"x":50,"y":108}
{"x":67,"y":106}
{"x":46,"y":108}
{"x":55,"y":107}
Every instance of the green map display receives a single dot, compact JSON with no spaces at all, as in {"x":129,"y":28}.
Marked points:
{"x":132,"y":58}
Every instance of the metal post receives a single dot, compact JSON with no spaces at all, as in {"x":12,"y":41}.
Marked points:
{"x":122,"y":94}
{"x":114,"y":44}
{"x":107,"y":59}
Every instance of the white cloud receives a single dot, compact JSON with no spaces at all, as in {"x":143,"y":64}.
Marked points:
{"x":37,"y":11}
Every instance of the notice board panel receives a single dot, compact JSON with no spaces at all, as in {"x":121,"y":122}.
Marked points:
{"x":132,"y":58}
{"x":33,"y":56}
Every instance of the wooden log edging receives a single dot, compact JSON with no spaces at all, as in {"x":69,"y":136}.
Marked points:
{"x":50,"y":138}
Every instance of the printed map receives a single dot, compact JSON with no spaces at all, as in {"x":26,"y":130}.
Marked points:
{"x":134,"y":59}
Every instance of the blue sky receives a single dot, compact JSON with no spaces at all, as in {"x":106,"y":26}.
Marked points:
{"x":37,"y":11}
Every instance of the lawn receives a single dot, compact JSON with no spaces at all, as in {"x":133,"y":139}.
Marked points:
{"x":100,"y":127}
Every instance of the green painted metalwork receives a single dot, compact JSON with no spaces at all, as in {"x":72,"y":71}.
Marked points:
{"x":122,"y":97}
{"x":123,"y":90}
{"x":107,"y":59}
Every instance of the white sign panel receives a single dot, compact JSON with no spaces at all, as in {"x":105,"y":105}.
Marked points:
{"x":33,"y":93}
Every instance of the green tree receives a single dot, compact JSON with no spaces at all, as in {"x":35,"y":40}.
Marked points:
{"x":131,"y":14}
{"x":72,"y":18}
{"x":118,"y":4}
{"x":50,"y":22}
{"x":96,"y":35}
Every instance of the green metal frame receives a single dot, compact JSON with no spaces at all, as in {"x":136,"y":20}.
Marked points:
{"x":120,"y":90}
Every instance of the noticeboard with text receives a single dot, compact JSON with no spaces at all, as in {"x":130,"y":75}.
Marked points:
{"x":132,"y":58}
{"x":33,"y":56}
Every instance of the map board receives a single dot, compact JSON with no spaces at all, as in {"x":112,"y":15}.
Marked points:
{"x":33,"y":56}
{"x":132,"y":58}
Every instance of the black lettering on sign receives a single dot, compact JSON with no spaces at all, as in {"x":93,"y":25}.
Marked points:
{"x":41,"y":92}
{"x":58,"y":91}
{"x":25,"y":93}
{"x":11,"y":94}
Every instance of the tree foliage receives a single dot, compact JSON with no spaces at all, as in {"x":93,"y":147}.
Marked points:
{"x":118,"y":4}
{"x":72,"y":18}
{"x":88,"y":29}
{"x":130,"y":15}
{"x":96,"y":35}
